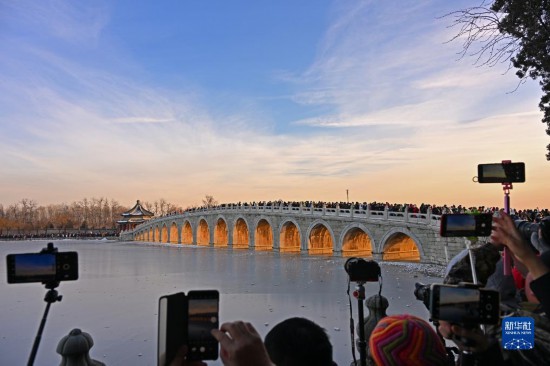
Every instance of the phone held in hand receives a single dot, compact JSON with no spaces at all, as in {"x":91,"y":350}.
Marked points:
{"x":188,"y":320}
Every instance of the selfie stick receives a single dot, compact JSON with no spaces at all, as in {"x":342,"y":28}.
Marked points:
{"x":472,"y":264}
{"x":506,"y":258}
{"x":50,"y":298}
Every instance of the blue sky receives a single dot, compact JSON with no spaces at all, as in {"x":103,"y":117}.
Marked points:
{"x":255,"y":100}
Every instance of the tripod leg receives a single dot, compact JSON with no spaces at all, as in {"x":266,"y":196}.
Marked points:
{"x":362,"y":340}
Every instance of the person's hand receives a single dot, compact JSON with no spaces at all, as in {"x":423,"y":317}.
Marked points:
{"x":504,"y":232}
{"x":466,"y":339}
{"x":444,"y":329}
{"x":241,"y":345}
{"x":180,"y":359}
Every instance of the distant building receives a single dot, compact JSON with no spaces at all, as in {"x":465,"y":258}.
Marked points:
{"x":134,"y":216}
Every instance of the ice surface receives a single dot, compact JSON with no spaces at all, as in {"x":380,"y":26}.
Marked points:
{"x":116,"y":297}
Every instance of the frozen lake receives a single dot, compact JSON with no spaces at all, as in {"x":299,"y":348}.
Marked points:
{"x":116,"y":297}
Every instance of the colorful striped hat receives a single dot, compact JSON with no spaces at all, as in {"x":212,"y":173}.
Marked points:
{"x":405,"y":340}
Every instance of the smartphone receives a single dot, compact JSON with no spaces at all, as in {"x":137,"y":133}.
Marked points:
{"x":460,"y":304}
{"x":203,"y":310}
{"x":501,"y":173}
{"x":42,"y":267}
{"x":466,"y":224}
{"x":187,"y":320}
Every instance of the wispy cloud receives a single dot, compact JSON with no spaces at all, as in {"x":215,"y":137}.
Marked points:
{"x":74,"y":22}
{"x":141,"y":120}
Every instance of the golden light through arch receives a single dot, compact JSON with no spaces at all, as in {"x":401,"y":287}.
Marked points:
{"x":320,"y":241}
{"x":203,"y":233}
{"x":187,"y":234}
{"x":289,"y":238}
{"x":174,"y":233}
{"x":240,"y":235}
{"x":401,"y":247}
{"x":356,"y":243}
{"x":221,"y":235}
{"x":263,"y":238}
{"x":164,"y":234}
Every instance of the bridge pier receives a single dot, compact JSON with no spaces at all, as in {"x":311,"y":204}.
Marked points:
{"x":377,"y":257}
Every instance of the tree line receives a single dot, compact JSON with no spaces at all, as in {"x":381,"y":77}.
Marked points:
{"x":28,"y":217}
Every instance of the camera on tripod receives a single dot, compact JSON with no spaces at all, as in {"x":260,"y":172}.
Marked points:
{"x":360,"y":270}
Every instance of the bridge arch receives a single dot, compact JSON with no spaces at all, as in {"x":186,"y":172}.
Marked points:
{"x":400,"y":244}
{"x":203,"y":232}
{"x":320,"y":238}
{"x":157,"y":234}
{"x":174,"y":236}
{"x":241,"y":233}
{"x":263,"y":234}
{"x":221,"y":233}
{"x":187,"y":233}
{"x":164,"y":234}
{"x":150,"y":235}
{"x":290,"y":239}
{"x":356,"y":240}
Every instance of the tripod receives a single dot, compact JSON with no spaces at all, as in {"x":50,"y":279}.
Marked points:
{"x":362,"y":343}
{"x":51,"y":297}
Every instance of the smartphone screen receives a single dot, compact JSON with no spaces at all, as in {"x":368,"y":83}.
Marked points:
{"x":458,"y":304}
{"x":35,"y":267}
{"x":501,"y":173}
{"x":466,"y":225}
{"x":464,"y":305}
{"x":203,"y":308}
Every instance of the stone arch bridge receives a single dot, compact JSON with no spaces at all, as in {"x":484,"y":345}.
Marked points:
{"x":380,"y":235}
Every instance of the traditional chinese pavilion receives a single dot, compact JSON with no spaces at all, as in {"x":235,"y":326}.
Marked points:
{"x":134,"y":216}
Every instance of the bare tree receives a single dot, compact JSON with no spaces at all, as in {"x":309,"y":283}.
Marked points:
{"x":209,"y":201}
{"x":516,"y":32}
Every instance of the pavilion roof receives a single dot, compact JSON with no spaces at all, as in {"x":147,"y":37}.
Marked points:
{"x":138,"y":210}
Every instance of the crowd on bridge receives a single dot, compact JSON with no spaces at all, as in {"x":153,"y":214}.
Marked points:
{"x":533,"y":215}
